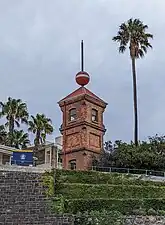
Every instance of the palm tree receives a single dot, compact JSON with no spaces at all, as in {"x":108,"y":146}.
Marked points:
{"x":15,"y":112}
{"x":40,"y":126}
{"x":20,"y":139}
{"x":3,"y":135}
{"x":133,"y":34}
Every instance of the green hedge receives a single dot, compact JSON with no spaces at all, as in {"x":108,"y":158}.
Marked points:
{"x":110,"y":191}
{"x":80,"y":191}
{"x":124,"y":206}
{"x":92,"y":177}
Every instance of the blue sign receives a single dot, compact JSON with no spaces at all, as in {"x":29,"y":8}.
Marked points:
{"x":22,"y":157}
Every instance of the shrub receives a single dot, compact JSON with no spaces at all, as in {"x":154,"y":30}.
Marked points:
{"x":152,"y":212}
{"x":99,"y":218}
{"x":81,"y":191}
{"x":92,"y":177}
{"x":124,"y":206}
{"x":139,"y":211}
{"x":161,"y":212}
{"x":110,"y":191}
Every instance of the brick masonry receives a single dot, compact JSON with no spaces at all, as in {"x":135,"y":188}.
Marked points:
{"x":82,"y":137}
{"x":23,"y":201}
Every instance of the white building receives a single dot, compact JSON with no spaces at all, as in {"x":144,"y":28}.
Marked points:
{"x":48,"y":155}
{"x":5,"y":154}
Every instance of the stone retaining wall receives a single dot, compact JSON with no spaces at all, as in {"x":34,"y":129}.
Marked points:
{"x":22,"y":200}
{"x":145,"y":220}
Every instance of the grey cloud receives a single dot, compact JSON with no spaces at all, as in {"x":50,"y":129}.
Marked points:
{"x":39,"y":57}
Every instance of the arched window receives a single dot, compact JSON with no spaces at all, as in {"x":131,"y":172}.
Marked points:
{"x":72,"y":114}
{"x":94,"y":115}
{"x":72,"y":164}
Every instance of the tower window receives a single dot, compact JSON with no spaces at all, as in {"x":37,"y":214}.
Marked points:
{"x":72,"y":114}
{"x":72,"y":164}
{"x":94,"y":115}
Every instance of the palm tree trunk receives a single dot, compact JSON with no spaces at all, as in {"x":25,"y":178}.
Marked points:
{"x":135,"y":102}
{"x":36,"y":143}
{"x":11,"y":130}
{"x":38,"y":135}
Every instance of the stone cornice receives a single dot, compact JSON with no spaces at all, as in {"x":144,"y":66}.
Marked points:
{"x":86,"y":97}
{"x":83,"y":123}
{"x":80,"y":150}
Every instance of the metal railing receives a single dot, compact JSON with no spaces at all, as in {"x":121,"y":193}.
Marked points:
{"x":129,"y":171}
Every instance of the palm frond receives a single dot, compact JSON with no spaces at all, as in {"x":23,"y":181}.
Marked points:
{"x":1,"y":104}
{"x":117,"y":38}
{"x":122,"y":48}
{"x":20,"y":139}
{"x":17,"y":123}
{"x":133,"y":33}
{"x":149,"y":35}
{"x":140,"y":53}
{"x":40,"y":125}
{"x":144,"y":48}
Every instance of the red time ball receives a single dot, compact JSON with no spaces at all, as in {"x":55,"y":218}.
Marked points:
{"x":82,"y":78}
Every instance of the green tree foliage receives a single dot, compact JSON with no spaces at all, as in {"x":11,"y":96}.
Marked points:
{"x":3,"y":135}
{"x":133,"y":34}
{"x":40,"y":125}
{"x":148,"y":155}
{"x":20,"y":139}
{"x":15,"y":112}
{"x":102,"y":217}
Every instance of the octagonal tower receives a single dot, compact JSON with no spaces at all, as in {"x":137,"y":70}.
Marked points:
{"x":82,"y":126}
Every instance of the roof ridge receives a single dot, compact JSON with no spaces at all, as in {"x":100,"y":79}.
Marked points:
{"x":80,"y":91}
{"x":70,"y":94}
{"x":92,"y":94}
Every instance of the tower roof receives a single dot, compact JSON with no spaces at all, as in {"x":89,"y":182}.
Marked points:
{"x":79,"y":92}
{"x":82,"y":78}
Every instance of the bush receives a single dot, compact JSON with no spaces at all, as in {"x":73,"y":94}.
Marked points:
{"x":139,"y":211}
{"x":152,"y":212}
{"x":99,"y":218}
{"x":147,"y":155}
{"x":81,"y":191}
{"x":92,"y":177}
{"x":124,"y":206}
{"x":110,"y":191}
{"x":161,"y":212}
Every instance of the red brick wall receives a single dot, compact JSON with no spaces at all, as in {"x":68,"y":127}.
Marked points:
{"x":83,"y":159}
{"x":82,"y":133}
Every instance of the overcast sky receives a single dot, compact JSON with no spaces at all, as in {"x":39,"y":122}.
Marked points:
{"x":39,"y":57}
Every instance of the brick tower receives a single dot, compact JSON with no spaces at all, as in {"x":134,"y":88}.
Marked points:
{"x":82,"y":126}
